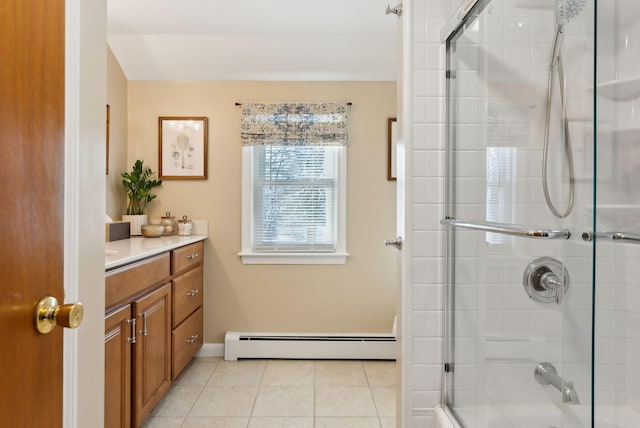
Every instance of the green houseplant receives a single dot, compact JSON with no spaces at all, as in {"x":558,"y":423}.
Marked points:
{"x":139,"y":184}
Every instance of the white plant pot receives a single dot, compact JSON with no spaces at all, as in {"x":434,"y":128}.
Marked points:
{"x":137,"y":221}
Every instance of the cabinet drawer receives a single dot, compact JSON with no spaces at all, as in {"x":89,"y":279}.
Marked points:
{"x":186,"y":340}
{"x":187,"y":294}
{"x":130,"y":281}
{"x":187,"y":256}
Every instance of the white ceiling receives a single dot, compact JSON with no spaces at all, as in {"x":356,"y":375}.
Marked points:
{"x":254,"y":39}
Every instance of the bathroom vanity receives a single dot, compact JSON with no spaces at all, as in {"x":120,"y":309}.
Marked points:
{"x":153,"y":321}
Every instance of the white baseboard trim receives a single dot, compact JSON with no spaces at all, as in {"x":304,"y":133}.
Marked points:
{"x":211,"y":350}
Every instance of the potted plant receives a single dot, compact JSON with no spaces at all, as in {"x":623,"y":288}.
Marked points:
{"x":138,"y":184}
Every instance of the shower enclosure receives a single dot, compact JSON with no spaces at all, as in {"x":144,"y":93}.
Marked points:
{"x":542,"y":216}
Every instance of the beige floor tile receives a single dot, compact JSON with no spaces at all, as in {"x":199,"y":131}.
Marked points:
{"x":225,"y":401}
{"x":286,"y":397}
{"x":288,"y":372}
{"x":215,"y":422}
{"x":344,"y":401}
{"x":380,"y":373}
{"x":388,"y":422}
{"x":198,"y":372}
{"x":280,"y":422}
{"x":347,"y":422}
{"x":240,"y":373}
{"x":177,"y":401}
{"x":284,"y":401}
{"x":385,"y":400}
{"x":162,"y":422}
{"x":340,"y":373}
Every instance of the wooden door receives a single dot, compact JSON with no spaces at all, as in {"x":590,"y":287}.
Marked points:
{"x":31,"y":190}
{"x":118,"y":336}
{"x":152,"y":351}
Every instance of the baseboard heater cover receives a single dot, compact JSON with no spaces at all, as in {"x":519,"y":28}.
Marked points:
{"x":369,"y":346}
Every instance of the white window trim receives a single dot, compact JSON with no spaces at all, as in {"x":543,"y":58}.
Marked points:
{"x":250,"y":257}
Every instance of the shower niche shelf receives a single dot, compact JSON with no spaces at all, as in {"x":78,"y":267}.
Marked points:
{"x":620,"y":90}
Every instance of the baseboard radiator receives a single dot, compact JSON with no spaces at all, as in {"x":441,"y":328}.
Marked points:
{"x":309,"y":346}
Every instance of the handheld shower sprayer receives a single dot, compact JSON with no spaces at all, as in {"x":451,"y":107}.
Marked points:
{"x":566,"y":10}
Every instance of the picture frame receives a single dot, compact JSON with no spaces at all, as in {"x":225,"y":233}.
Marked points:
{"x":391,"y":148}
{"x":183,"y":147}
{"x":108,"y":124}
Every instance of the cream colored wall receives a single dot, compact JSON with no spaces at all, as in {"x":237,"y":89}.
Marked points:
{"x":117,"y":100}
{"x":359,"y":296}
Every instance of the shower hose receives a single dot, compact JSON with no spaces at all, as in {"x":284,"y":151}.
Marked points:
{"x":556,"y":62}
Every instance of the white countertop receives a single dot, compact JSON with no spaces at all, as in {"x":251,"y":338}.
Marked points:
{"x":124,"y":251}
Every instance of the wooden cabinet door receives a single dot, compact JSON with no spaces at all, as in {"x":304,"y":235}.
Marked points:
{"x":152,"y":351}
{"x":118,"y":335}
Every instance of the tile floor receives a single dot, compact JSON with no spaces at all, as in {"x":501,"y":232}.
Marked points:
{"x":280,"y":393}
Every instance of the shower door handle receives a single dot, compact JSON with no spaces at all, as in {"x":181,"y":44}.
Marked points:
{"x":394,"y":243}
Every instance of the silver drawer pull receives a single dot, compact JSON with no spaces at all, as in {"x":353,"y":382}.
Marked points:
{"x":192,"y":293}
{"x":192,"y":256}
{"x":143,"y":332}
{"x":132,"y":322}
{"x":192,"y":339}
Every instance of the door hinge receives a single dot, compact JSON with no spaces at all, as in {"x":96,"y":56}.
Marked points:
{"x":132,"y":338}
{"x":450,"y":74}
{"x":448,"y":367}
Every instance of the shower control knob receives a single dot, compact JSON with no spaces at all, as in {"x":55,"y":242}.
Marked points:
{"x":394,"y":243}
{"x":546,"y":280}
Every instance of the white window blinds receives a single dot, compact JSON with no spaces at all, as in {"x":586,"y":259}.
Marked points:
{"x":295,"y":198}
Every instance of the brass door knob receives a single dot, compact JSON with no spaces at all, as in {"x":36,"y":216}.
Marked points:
{"x":48,"y":314}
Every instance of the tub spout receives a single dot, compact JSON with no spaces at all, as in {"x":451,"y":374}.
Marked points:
{"x":569,"y":395}
{"x":546,"y":374}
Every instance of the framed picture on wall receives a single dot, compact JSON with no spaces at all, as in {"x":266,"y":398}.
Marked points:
{"x":183,"y":148}
{"x":107,"y":134}
{"x":391,"y":149}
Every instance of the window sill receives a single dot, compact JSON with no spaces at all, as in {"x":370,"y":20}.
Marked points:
{"x":249,"y":258}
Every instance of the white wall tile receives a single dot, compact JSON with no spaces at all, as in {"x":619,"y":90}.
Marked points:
{"x":428,"y":190}
{"x":427,"y":217}
{"x":427,"y":324}
{"x":426,"y":270}
{"x":427,"y":350}
{"x":427,"y":379}
{"x":427,"y":244}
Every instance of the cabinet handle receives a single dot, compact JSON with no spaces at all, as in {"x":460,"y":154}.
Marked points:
{"x":143,"y":332}
{"x":132,"y":338}
{"x":192,"y":339}
{"x":192,"y":256}
{"x":192,"y":293}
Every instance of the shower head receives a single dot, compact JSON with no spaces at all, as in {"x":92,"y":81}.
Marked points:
{"x":566,"y":10}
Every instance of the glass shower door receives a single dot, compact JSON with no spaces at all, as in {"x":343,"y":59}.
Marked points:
{"x":617,"y":293}
{"x":519,"y":277}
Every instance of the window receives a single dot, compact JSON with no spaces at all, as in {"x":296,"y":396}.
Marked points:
{"x":294,"y":199}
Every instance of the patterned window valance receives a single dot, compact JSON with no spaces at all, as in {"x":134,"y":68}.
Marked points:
{"x":294,"y":124}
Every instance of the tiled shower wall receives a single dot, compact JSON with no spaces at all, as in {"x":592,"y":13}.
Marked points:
{"x":425,"y":187}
